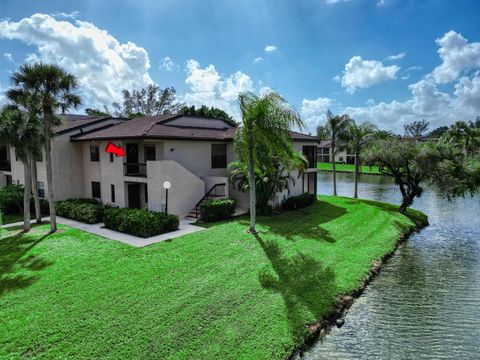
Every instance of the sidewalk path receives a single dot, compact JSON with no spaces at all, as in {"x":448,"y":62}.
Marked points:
{"x":185,"y":228}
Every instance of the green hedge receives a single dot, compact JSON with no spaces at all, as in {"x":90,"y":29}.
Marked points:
{"x":217,"y":209}
{"x":139,"y":222}
{"x":89,"y":211}
{"x":299,"y":201}
{"x":11,"y":199}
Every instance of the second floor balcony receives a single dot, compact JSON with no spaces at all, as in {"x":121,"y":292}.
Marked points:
{"x":5,"y":165}
{"x":135,"y":169}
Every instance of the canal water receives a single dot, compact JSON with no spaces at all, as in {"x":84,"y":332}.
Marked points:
{"x":425,"y":304}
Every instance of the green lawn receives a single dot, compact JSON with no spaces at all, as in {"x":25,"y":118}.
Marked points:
{"x":12,"y":218}
{"x":216,"y":294}
{"x":348,"y":168}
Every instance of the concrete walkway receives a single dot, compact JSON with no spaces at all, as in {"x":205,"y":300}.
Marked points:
{"x":98,"y":229}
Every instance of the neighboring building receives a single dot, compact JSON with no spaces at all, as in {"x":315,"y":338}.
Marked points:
{"x":343,"y":155}
{"x":190,"y":152}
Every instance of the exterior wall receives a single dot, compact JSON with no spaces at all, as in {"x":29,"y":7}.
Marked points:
{"x":3,"y":180}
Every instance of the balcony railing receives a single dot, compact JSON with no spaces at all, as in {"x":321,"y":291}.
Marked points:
{"x":135,"y":169}
{"x":5,"y":165}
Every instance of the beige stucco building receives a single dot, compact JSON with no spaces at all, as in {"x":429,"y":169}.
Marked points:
{"x":192,"y":153}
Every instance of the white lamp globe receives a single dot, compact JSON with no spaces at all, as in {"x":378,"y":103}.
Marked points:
{"x":167,"y":185}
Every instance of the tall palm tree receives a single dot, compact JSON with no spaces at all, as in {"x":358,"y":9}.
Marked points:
{"x":356,"y":137}
{"x":54,"y":88}
{"x":18,"y":131}
{"x":333,"y":129}
{"x":266,"y":120}
{"x":27,"y":100}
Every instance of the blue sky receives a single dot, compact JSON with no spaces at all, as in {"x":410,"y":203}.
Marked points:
{"x":377,"y":60}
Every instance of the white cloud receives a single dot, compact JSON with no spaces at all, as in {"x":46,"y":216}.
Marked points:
{"x":398,"y":56}
{"x":361,"y":73}
{"x":457,"y":56}
{"x":208,"y":87}
{"x":258,"y":59}
{"x":330,"y":2}
{"x":408,"y":71}
{"x":167,"y":64}
{"x":8,"y":56}
{"x":313,"y":111}
{"x":63,"y":15}
{"x":270,"y":48}
{"x":102,"y":64}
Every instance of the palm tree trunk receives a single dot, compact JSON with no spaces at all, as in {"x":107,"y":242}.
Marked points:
{"x":36,"y":200}
{"x":334,"y":169}
{"x":252,"y":187}
{"x":48,"y":162}
{"x":355,"y":193}
{"x":26,"y":195}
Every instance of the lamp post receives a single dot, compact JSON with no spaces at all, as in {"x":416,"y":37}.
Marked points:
{"x":166,"y":186}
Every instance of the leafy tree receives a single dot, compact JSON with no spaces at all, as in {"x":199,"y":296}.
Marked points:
{"x":147,"y":101}
{"x":384,"y":135}
{"x":438,"y":132}
{"x":273,"y":175}
{"x":20,"y":131}
{"x":332,"y":130}
{"x":206,"y":111}
{"x":436,"y":163}
{"x":266,"y":120}
{"x":416,"y":128}
{"x":54,"y":87}
{"x":475,"y":124}
{"x":465,"y":137}
{"x":356,"y":137}
{"x":97,"y":112}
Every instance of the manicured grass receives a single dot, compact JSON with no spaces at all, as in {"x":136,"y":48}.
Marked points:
{"x":216,"y":294}
{"x":348,"y":168}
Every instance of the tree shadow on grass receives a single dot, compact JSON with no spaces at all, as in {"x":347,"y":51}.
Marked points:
{"x":416,"y":216}
{"x":304,"y":223}
{"x":16,"y":266}
{"x":306,"y":287}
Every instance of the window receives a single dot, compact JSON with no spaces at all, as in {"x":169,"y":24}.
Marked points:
{"x":326,"y":151}
{"x":310,"y":152}
{"x":96,"y":190}
{"x":150,"y":153}
{"x":111,"y":157}
{"x":219,"y":156}
{"x":94,"y":153}
{"x":112,"y":192}
{"x":41,"y":189}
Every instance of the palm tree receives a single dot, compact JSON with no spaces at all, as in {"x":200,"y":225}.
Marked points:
{"x":333,"y":129}
{"x":356,"y":137}
{"x":17,"y":130}
{"x":464,"y":136}
{"x":266,"y":120}
{"x":53,"y":86}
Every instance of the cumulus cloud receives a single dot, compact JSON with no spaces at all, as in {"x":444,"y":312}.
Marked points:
{"x":457,"y":56}
{"x":102,"y":64}
{"x":361,"y":73}
{"x":398,"y":56}
{"x":167,"y":64}
{"x":270,"y":48}
{"x":64,"y":15}
{"x":258,"y":59}
{"x":313,"y":111}
{"x":208,"y":87}
{"x":8,"y":56}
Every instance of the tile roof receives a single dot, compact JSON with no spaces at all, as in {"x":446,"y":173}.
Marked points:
{"x":171,"y":127}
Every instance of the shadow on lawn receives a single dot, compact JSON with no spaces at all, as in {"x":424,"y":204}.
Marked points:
{"x":305,"y":285}
{"x":15,"y":265}
{"x":306,"y":222}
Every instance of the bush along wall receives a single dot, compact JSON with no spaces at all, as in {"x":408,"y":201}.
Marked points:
{"x":217,"y":209}
{"x":89,"y":211}
{"x":139,"y":222}
{"x":299,"y":201}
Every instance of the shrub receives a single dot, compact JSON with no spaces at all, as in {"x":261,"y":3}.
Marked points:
{"x":88,"y":211}
{"x":217,"y":209}
{"x":11,"y":199}
{"x":139,"y":222}
{"x":299,"y":201}
{"x":44,"y":208}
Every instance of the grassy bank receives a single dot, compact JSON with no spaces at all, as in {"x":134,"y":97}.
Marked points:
{"x":348,"y":168}
{"x":216,"y":294}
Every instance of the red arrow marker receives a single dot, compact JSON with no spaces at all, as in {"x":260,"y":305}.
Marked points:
{"x":113,"y":149}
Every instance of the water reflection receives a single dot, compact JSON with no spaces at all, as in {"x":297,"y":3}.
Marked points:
{"x":425,"y":304}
